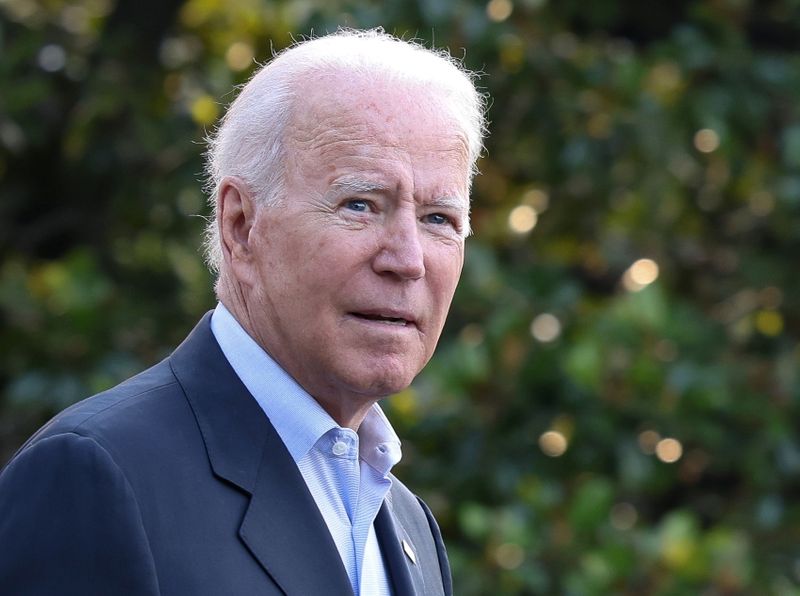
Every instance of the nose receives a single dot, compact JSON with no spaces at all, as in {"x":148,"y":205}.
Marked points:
{"x":400,"y":250}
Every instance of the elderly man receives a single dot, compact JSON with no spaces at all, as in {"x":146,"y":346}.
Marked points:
{"x":255,"y":459}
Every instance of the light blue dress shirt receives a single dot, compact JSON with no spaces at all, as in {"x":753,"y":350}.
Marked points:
{"x":346,"y":472}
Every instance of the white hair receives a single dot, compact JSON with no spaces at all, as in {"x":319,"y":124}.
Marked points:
{"x":249,"y":141}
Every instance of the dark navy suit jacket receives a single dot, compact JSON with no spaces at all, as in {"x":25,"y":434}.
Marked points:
{"x":175,"y":483}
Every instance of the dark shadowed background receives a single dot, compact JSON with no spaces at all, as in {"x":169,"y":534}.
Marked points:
{"x":614,"y":405}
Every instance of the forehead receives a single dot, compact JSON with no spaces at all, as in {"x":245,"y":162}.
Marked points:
{"x":339,"y":117}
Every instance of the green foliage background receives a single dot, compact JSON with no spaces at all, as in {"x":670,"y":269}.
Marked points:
{"x":631,"y":130}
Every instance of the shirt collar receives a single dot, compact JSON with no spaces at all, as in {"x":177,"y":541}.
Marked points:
{"x":297,"y":417}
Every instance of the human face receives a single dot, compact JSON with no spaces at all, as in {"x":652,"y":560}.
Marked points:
{"x":356,"y":268}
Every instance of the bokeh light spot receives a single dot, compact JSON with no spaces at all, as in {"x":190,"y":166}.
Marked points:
{"x":706,"y":140}
{"x":769,"y":322}
{"x":52,"y":58}
{"x":545,"y":328}
{"x":204,"y":110}
{"x":499,"y":10}
{"x":76,"y":19}
{"x":176,"y":52}
{"x":536,"y":198}
{"x":640,"y":275}
{"x":522,"y":219}
{"x":664,"y":81}
{"x":553,"y":443}
{"x":405,"y":403}
{"x":509,"y":556}
{"x":648,"y":439}
{"x":239,"y":56}
{"x":669,"y":450}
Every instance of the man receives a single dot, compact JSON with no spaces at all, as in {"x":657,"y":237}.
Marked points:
{"x":255,"y":459}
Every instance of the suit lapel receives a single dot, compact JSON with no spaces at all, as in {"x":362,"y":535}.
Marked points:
{"x":401,"y":569}
{"x":420,"y":542}
{"x":286,"y":532}
{"x":282,"y":527}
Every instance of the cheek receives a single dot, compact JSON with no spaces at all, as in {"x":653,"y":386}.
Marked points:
{"x":444,"y":276}
{"x":321,"y":266}
{"x":446,"y":267}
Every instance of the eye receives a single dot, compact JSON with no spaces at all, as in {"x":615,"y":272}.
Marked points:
{"x":359,"y":205}
{"x":438,"y":219}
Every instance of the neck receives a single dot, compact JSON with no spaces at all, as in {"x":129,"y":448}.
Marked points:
{"x":346,"y":417}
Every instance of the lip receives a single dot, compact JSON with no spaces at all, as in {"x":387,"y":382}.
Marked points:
{"x":384,"y":316}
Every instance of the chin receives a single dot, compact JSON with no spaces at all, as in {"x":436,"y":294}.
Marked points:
{"x":374,"y":374}
{"x":380,"y":383}
{"x":377,"y":388}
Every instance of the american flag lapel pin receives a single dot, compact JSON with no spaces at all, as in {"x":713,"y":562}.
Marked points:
{"x":409,"y":552}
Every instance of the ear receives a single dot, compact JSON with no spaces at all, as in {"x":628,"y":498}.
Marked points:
{"x":236,"y":217}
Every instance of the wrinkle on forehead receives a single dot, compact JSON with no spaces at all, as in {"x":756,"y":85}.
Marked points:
{"x":353,"y":148}
{"x":318,"y":132}
{"x":357,"y":107}
{"x":340,"y":133}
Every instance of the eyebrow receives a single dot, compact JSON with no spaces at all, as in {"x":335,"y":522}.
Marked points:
{"x":348,"y":185}
{"x":449,"y":202}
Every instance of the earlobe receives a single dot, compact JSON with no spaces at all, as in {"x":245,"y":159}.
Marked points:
{"x":236,"y":213}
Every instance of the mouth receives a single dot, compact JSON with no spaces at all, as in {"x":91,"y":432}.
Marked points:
{"x":395,"y":319}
